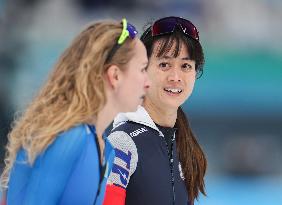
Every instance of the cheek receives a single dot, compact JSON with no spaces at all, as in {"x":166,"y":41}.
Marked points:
{"x":137,"y":84}
{"x":190,"y":84}
{"x":138,"y":81}
{"x":154,"y":78}
{"x":154,"y":87}
{"x":127,"y":85}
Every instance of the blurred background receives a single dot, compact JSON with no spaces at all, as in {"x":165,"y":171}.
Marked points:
{"x":236,"y":107}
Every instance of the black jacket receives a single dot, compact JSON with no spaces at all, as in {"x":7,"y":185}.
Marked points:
{"x":156,"y":180}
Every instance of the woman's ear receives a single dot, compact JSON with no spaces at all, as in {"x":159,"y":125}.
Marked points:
{"x":113,"y":74}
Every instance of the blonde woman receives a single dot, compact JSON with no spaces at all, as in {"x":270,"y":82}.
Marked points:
{"x":56,"y":152}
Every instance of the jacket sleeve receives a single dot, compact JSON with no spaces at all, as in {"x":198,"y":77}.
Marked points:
{"x":125,"y":164}
{"x":49,"y":173}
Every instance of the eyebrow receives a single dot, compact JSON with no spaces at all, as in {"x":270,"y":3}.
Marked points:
{"x":169,"y":57}
{"x":186,"y":58}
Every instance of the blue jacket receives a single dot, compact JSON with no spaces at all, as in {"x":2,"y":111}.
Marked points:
{"x":66,"y":173}
{"x":145,"y":170}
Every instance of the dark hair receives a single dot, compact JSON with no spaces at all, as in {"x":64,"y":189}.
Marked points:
{"x":191,"y":156}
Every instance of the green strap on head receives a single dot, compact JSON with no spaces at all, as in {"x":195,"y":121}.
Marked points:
{"x":125,"y":33}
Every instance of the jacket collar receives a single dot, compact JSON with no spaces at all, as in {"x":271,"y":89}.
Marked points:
{"x":141,"y":116}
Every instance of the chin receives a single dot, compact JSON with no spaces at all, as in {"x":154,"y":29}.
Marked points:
{"x":174,"y":104}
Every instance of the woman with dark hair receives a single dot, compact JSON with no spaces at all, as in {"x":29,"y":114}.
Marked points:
{"x":158,"y":159}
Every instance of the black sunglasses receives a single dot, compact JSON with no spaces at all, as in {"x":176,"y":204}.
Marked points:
{"x":168,"y":24}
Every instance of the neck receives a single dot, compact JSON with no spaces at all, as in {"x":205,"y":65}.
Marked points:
{"x":104,"y":118}
{"x":161,"y":116}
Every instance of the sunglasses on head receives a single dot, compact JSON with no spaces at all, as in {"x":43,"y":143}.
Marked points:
{"x":168,"y":24}
{"x":128,"y":30}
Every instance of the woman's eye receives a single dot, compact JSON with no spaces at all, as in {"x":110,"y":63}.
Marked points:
{"x":163,"y":65}
{"x":187,"y":67}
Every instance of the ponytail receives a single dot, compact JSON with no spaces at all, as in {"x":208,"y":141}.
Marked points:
{"x":191,"y":156}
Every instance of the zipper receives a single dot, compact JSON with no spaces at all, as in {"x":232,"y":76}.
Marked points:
{"x":170,"y":157}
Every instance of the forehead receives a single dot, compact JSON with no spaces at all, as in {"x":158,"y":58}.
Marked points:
{"x":139,"y":57}
{"x":170,"y":47}
{"x":140,"y":50}
{"x":139,"y":45}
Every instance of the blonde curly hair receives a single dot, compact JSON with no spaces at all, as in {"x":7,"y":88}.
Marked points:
{"x":73,"y":93}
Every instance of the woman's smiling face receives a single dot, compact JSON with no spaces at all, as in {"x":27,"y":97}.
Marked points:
{"x":172,"y":77}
